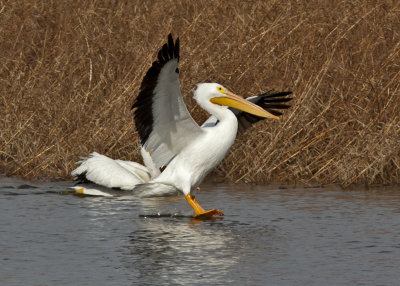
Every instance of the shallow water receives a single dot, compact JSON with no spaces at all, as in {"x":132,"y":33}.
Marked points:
{"x":267,"y":237}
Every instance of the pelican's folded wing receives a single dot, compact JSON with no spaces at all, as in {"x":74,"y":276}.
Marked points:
{"x":269,"y":101}
{"x":164,"y":124}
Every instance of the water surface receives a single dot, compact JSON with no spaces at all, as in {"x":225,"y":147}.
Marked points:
{"x":268,"y":236}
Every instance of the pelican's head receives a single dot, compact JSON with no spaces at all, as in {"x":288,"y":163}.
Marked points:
{"x":216,"y":94}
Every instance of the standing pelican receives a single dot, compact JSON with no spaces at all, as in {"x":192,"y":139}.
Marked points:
{"x":172,"y":140}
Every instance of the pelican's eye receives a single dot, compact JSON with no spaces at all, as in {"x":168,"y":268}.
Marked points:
{"x":220,"y":89}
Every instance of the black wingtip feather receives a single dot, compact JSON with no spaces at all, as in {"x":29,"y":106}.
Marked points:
{"x":268,"y":94}
{"x":268,"y":101}
{"x":143,"y":116}
{"x":276,"y":106}
{"x":170,"y":46}
{"x":81,"y":179}
{"x":177,"y":49}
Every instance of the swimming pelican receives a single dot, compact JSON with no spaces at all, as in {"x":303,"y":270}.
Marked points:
{"x":172,"y":140}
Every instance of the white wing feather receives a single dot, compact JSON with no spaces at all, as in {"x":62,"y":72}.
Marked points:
{"x":111,"y":173}
{"x":148,"y":162}
{"x":173,"y":126}
{"x":164,"y":124}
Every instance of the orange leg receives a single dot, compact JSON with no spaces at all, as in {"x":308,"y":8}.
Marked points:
{"x":200,"y":212}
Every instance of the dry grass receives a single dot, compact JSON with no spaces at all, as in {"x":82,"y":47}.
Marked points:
{"x":71,"y":69}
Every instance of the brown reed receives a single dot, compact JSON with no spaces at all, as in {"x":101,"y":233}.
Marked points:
{"x":70,"y":71}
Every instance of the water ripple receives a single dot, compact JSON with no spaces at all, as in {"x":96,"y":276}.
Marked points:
{"x":267,"y":237}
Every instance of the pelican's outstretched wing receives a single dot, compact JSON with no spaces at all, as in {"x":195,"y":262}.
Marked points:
{"x":269,"y":101}
{"x":163,"y":122}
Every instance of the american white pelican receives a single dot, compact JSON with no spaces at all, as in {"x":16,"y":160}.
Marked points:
{"x":172,"y":140}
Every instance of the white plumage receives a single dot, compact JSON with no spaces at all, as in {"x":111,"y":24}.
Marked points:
{"x":110,"y":173}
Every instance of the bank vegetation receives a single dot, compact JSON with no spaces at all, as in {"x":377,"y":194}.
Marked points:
{"x":70,"y":70}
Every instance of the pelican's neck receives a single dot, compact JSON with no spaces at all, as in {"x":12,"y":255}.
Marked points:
{"x":222,"y":113}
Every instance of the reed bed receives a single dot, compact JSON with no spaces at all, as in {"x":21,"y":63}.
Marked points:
{"x":70,"y":71}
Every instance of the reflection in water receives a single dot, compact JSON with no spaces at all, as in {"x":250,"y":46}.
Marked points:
{"x":165,"y":245}
{"x":178,"y":251}
{"x":186,"y":252}
{"x":172,"y":248}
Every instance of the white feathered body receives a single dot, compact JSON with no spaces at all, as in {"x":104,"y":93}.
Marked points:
{"x":183,"y":173}
{"x":169,"y":136}
{"x":195,"y":161}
